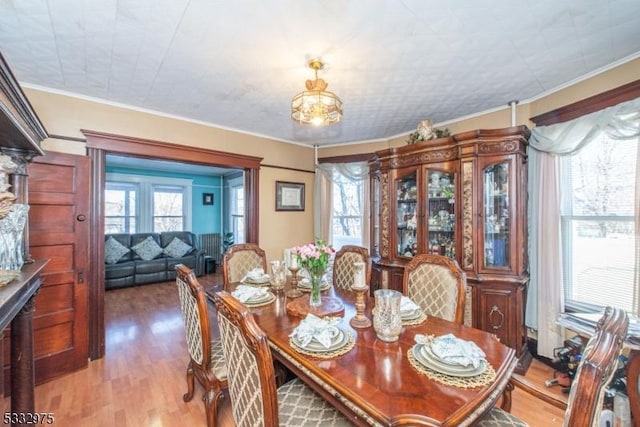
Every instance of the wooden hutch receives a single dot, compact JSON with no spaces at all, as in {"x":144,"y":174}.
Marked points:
{"x":20,"y":136}
{"x":465,"y":197}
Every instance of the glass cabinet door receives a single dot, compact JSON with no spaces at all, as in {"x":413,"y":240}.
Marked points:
{"x":441,"y":213}
{"x":407,"y":214}
{"x":496,"y":212}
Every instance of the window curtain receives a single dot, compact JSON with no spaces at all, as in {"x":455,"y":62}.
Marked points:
{"x":546,"y":296}
{"x":326,"y":175}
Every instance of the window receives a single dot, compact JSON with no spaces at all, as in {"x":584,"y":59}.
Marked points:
{"x":237,"y":213}
{"x":120,"y":207}
{"x":138,"y":204}
{"x":598,"y":225}
{"x":168,"y":210}
{"x":347,"y":197}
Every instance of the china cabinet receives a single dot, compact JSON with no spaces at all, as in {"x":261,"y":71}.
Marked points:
{"x":20,"y":135}
{"x":464,"y":197}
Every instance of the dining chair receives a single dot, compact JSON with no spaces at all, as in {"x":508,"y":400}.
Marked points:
{"x":595,"y":370}
{"x":437,"y":284}
{"x":343,"y":269}
{"x":207,"y":362}
{"x":239,"y":259}
{"x":255,"y":400}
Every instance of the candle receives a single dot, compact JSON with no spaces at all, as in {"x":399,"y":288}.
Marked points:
{"x":358,"y":279}
{"x":294,"y":260}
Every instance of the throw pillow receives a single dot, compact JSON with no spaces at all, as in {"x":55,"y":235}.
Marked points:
{"x":177,"y":248}
{"x":148,"y":249}
{"x":114,"y":250}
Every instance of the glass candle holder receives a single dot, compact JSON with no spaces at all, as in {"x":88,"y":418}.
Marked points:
{"x":387,"y":321}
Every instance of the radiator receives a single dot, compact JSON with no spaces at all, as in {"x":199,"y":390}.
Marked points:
{"x":211,"y":243}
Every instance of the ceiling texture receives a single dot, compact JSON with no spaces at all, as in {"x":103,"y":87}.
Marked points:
{"x":236,"y":64}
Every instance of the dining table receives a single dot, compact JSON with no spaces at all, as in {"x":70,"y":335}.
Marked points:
{"x":378,"y":383}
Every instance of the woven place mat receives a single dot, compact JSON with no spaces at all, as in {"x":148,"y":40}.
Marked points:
{"x":415,"y":321}
{"x":485,"y":378}
{"x":328,"y":354}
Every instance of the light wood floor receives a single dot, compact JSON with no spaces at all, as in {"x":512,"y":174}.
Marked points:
{"x":141,"y":380}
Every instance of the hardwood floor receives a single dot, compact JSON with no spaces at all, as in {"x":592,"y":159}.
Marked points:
{"x":141,"y":380}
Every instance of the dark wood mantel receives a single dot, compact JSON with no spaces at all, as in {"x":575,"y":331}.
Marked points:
{"x":16,"y":308}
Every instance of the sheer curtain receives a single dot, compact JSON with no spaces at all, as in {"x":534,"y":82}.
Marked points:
{"x":545,"y":296}
{"x":326,"y":175}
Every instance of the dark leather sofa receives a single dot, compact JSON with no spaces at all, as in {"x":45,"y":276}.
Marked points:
{"x":130,"y":269}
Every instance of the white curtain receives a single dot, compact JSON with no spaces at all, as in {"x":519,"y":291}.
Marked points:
{"x":326,"y":175}
{"x":545,"y":297}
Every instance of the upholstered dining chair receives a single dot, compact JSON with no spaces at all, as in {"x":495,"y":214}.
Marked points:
{"x":239,"y":259}
{"x":343,"y":265}
{"x":595,"y":370}
{"x":207,"y":362}
{"x":255,"y":400}
{"x":437,"y":284}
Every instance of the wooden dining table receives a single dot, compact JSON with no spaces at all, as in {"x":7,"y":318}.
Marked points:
{"x":374,"y":383}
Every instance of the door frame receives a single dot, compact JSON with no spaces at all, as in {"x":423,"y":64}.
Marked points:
{"x":99,"y":145}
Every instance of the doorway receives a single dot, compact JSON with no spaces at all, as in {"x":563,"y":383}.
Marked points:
{"x":99,"y":145}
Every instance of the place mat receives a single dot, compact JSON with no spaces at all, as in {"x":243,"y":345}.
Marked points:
{"x":268,"y":301}
{"x":486,"y":378}
{"x":328,"y":354}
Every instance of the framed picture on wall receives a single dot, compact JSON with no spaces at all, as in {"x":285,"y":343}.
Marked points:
{"x":207,"y":198}
{"x":289,"y":196}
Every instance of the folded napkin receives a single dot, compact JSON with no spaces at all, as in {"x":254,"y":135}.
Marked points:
{"x":322,"y":329}
{"x":453,"y":350}
{"x":256,"y":275}
{"x":406,"y":305}
{"x":244,"y":293}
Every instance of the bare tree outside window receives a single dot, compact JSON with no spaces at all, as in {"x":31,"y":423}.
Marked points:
{"x":347,"y":211}
{"x":168,"y":214}
{"x":598,"y":225}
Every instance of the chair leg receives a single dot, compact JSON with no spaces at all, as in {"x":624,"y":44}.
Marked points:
{"x":211,"y":401}
{"x":190,"y":383}
{"x":506,"y":397}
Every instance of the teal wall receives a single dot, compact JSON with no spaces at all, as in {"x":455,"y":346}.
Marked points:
{"x":206,"y":218}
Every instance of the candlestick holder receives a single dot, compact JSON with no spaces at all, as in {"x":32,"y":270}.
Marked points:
{"x":359,"y":287}
{"x":294,"y":292}
{"x":360,"y":320}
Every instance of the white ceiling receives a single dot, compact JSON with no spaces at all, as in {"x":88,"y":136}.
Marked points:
{"x":237,"y":63}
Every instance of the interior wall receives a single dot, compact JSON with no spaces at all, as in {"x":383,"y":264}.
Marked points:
{"x":65,"y":116}
{"x":501,"y":118}
{"x":205,"y":218}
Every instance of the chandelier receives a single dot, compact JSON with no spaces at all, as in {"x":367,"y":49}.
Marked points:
{"x":316,"y":106}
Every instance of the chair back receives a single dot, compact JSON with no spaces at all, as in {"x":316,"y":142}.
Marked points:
{"x":437,"y":284}
{"x":239,"y":259}
{"x":250,"y":370}
{"x":597,"y":367}
{"x":193,"y":303}
{"x":343,"y":265}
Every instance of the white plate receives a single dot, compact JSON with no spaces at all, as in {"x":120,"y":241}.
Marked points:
{"x":259,"y":299}
{"x":410,"y":315}
{"x":260,"y":281}
{"x":339,"y":341}
{"x":306,"y":285}
{"x":421,"y":353}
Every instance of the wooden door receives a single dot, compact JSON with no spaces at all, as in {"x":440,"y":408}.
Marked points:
{"x":58,"y":230}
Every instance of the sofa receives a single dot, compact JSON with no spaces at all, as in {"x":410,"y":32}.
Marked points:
{"x":139,"y":258}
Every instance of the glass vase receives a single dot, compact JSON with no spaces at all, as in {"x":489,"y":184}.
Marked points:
{"x":315,"y":300}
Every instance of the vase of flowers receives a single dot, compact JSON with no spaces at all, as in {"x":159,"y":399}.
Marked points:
{"x":314,"y":257}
